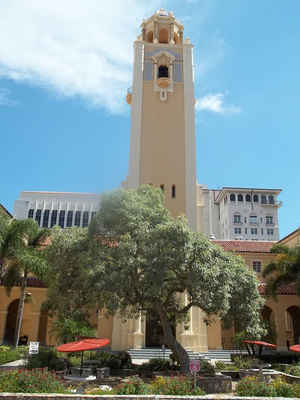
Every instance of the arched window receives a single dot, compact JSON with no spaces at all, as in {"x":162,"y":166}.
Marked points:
{"x":150,"y":37}
{"x":163,"y":71}
{"x":263,"y":199}
{"x":240,"y":197}
{"x":271,"y":199}
{"x":248,"y":197}
{"x":255,"y":198}
{"x":163,"y":36}
{"x":237,"y":219}
{"x":173,"y":191}
{"x":232,"y":197}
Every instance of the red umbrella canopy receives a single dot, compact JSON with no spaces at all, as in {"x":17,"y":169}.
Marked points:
{"x":296,"y":348}
{"x":260,"y":343}
{"x":82,"y":345}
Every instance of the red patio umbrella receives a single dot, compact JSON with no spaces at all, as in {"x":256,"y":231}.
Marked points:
{"x":82,"y":345}
{"x":260,"y":344}
{"x":295,"y":348}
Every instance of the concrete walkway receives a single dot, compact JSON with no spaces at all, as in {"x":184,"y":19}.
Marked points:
{"x":17,"y":363}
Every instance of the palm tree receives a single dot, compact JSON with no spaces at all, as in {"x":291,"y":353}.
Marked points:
{"x":284,"y":270}
{"x":21,"y":256}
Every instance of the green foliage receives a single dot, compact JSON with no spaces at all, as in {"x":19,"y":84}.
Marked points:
{"x":150,"y":259}
{"x":155,"y":364}
{"x":35,"y":381}
{"x":47,"y":357}
{"x":112,"y":360}
{"x":220,"y":365}
{"x":133,"y":386}
{"x":69,"y":329}
{"x":292,"y":369}
{"x":206,"y":368}
{"x":8,"y":354}
{"x":251,"y":386}
{"x":175,"y":386}
{"x":71,"y":298}
{"x":245,"y":361}
{"x":285,"y":269}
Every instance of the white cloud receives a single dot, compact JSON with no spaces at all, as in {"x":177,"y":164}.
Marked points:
{"x":75,"y":47}
{"x":215,"y":103}
{"x":5,"y":99}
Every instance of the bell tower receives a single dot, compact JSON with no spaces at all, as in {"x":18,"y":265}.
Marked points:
{"x":162,"y":144}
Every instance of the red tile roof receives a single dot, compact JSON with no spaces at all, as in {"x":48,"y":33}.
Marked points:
{"x":245,"y":246}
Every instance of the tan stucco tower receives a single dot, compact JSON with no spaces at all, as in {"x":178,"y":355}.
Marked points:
{"x":162,"y":147}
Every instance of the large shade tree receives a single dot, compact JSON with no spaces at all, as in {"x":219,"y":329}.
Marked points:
{"x":283,"y":270}
{"x":153,"y":263}
{"x":70,"y":299}
{"x":21,"y":256}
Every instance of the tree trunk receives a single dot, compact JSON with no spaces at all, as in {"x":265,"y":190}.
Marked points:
{"x":20,"y":310}
{"x":171,"y":341}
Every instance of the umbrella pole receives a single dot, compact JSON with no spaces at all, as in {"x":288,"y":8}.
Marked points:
{"x":81,"y":363}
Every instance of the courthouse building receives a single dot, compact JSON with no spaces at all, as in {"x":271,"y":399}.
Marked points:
{"x":162,"y":153}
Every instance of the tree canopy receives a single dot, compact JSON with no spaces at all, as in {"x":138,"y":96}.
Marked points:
{"x":284,"y":270}
{"x":152,"y":262}
{"x":20,"y":254}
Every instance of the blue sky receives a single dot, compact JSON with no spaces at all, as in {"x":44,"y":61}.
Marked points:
{"x":65,"y":66}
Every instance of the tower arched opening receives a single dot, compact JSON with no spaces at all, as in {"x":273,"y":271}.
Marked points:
{"x":163,"y":71}
{"x":149,"y":37}
{"x":11,"y":321}
{"x":163,"y":36}
{"x":267,"y":316}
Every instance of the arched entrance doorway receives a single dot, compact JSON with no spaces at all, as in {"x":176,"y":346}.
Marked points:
{"x":154,"y":331}
{"x":43,"y":325}
{"x":293,"y":315}
{"x":267,"y":316}
{"x":11,"y":321}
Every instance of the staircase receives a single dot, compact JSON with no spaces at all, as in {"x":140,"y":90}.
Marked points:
{"x":149,"y":353}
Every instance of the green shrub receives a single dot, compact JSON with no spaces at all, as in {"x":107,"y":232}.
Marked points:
{"x":293,"y":370}
{"x":180,"y":385}
{"x":251,"y":386}
{"x":155,"y":364}
{"x":47,"y":357}
{"x":8,"y":354}
{"x":133,"y":386}
{"x":118,"y":360}
{"x":35,"y":381}
{"x":206,"y":368}
{"x":220,"y":365}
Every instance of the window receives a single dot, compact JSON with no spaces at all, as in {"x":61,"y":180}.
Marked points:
{"x":255,"y":198}
{"x":163,"y":71}
{"x":270,"y":231}
{"x":232,"y":197}
{"x":69,"y":218}
{"x":30,"y":213}
{"x":61,"y":218}
{"x":38,"y":216}
{"x":85,"y":219}
{"x":253,"y":231}
{"x":246,"y":230}
{"x":173,"y":191}
{"x":248,"y":197}
{"x":269,"y":220}
{"x":237,"y":219}
{"x":237,"y":231}
{"x":46,"y":218}
{"x":263,"y":199}
{"x":77,"y":218}
{"x":245,"y":220}
{"x":53,"y":218}
{"x":240,"y":197}
{"x":256,"y":266}
{"x":253,"y":219}
{"x":271,"y":199}
{"x":262,"y":231}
